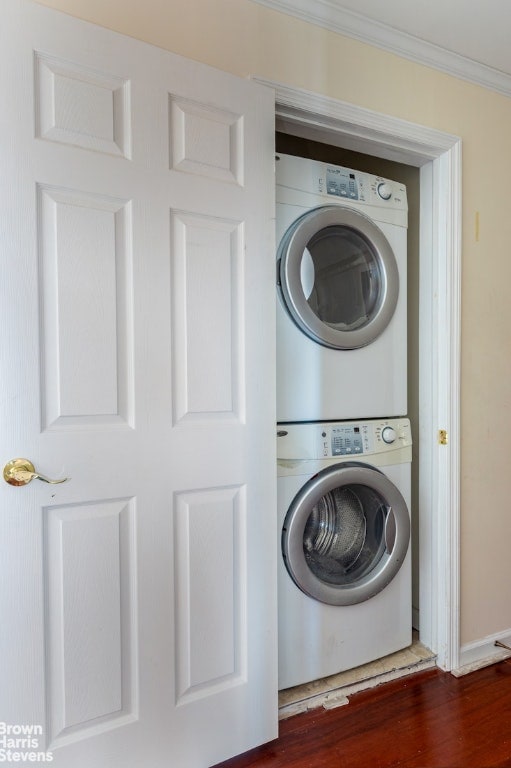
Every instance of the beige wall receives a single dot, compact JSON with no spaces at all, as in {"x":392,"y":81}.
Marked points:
{"x":241,"y":37}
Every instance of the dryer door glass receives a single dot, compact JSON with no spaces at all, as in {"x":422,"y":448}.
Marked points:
{"x":346,"y":534}
{"x":347,"y":278}
{"x":338,"y":277}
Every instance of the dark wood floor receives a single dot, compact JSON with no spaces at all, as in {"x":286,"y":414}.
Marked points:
{"x":427,"y":720}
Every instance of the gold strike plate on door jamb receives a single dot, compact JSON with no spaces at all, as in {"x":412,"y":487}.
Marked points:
{"x":443,"y":437}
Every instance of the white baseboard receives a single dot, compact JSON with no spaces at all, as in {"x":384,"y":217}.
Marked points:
{"x":482,"y":653}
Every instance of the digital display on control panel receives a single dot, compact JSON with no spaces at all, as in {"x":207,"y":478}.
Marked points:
{"x":346,"y":440}
{"x":341,"y":183}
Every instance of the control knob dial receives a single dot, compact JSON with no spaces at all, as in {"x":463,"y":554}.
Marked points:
{"x":388,"y":435}
{"x":384,"y":190}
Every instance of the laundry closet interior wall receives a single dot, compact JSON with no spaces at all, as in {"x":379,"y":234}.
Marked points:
{"x":247,"y":39}
{"x":408,"y":175}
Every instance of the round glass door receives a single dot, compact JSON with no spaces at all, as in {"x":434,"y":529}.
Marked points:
{"x":338,"y":276}
{"x":346,"y":534}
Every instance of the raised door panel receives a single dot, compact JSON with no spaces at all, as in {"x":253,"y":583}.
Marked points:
{"x":79,"y":106}
{"x":210,"y":579}
{"x":208,"y":318}
{"x":91,"y":630}
{"x":85,"y":266}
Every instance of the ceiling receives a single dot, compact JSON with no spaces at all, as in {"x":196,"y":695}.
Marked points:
{"x":467,"y":39}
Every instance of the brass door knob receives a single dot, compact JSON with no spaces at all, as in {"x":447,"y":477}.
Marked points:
{"x":22,"y":472}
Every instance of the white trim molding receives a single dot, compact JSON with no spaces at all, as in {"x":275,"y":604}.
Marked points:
{"x":438,"y":154}
{"x":439,"y":404}
{"x":301,"y":112}
{"x":482,"y":653}
{"x":329,"y":15}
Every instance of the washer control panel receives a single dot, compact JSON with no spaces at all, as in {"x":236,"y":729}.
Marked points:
{"x":348,"y":438}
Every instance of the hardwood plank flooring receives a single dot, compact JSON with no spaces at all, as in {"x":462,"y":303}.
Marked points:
{"x":427,"y":720}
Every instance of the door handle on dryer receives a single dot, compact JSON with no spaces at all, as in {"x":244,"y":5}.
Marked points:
{"x":21,"y":472}
{"x":390,"y":530}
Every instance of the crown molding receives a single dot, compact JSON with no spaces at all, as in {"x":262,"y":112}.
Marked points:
{"x":329,"y":15}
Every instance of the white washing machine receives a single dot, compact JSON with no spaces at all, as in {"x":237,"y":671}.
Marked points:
{"x":344,"y":573}
{"x":341,"y":310}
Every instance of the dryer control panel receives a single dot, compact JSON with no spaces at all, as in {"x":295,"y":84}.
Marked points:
{"x":345,"y":439}
{"x":334,"y":183}
{"x":342,"y":183}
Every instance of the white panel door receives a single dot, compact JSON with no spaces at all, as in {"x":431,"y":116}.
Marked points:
{"x":137,"y":361}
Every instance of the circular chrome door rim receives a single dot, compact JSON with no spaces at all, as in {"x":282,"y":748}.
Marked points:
{"x":298,"y":514}
{"x":290,"y":253}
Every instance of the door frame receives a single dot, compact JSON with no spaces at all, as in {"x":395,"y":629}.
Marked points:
{"x":438,"y":156}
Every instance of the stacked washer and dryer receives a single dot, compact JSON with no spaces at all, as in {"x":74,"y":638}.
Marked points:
{"x":343,"y":439}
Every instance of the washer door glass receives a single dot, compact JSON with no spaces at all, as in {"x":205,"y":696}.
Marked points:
{"x":338,"y":276}
{"x":346,"y":534}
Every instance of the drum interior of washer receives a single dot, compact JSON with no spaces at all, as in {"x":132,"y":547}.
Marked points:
{"x":343,"y":537}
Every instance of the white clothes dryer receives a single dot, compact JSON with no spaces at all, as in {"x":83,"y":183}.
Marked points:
{"x":341,"y":309}
{"x":344,"y":574}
